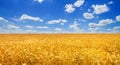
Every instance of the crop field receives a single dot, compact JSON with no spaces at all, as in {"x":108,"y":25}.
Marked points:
{"x":60,"y":49}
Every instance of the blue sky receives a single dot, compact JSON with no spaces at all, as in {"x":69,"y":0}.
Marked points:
{"x":59,"y":16}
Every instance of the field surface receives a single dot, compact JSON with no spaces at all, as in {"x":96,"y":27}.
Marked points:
{"x":60,"y":49}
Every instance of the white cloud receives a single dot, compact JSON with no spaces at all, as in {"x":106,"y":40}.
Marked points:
{"x":93,"y":24}
{"x":75,"y":27}
{"x":79,"y":3}
{"x":3,"y":19}
{"x":61,"y":21}
{"x":13,"y":26}
{"x":99,"y":9}
{"x":30,"y":31}
{"x":115,"y":29}
{"x":111,"y":2}
{"x":69,"y":8}
{"x":42,"y":27}
{"x":103,"y":22}
{"x":40,"y":1}
{"x":94,"y":30}
{"x":58,"y":29}
{"x":81,"y":20}
{"x":118,"y":18}
{"x":88,"y":15}
{"x":89,"y":10}
{"x":27,"y":17}
{"x":109,"y":29}
{"x":28,"y":26}
{"x":21,"y":31}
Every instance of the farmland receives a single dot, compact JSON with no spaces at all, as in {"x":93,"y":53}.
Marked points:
{"x":60,"y":49}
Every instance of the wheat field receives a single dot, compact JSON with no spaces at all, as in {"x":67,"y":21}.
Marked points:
{"x":60,"y":49}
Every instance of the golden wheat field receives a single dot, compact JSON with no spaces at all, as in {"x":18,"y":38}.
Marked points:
{"x":60,"y":49}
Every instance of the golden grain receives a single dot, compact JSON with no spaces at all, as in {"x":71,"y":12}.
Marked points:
{"x":60,"y":49}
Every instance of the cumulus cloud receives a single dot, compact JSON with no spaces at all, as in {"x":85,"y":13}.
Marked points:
{"x":103,"y":22}
{"x":75,"y":27}
{"x":89,"y":10}
{"x":88,"y":15}
{"x":23,"y":31}
{"x":118,"y":18}
{"x":79,"y":3}
{"x":28,"y":26}
{"x":58,"y":29}
{"x":80,"y":20}
{"x":93,"y":24}
{"x":13,"y":26}
{"x":26,"y":31}
{"x":93,"y":30}
{"x":115,"y":29}
{"x":61,"y":21}
{"x":27,"y":17}
{"x":99,"y":9}
{"x":111,"y":2}
{"x":69,"y":8}
{"x":40,"y":1}
{"x":30,"y":31}
{"x":3,"y":19}
{"x":42,"y":27}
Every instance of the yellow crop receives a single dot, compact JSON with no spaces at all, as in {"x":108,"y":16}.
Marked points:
{"x":60,"y":49}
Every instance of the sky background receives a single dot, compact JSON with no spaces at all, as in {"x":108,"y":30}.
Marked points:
{"x":59,"y":16}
